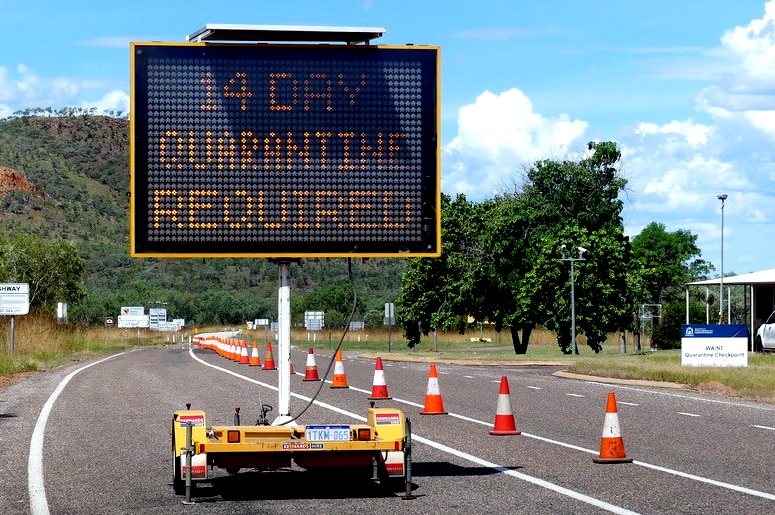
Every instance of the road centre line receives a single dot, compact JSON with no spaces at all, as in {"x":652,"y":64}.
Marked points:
{"x":534,"y":387}
{"x":35,"y":483}
{"x":449,"y":450}
{"x":688,"y":414}
{"x":700,"y":479}
{"x":765,"y":427}
{"x":574,"y":395}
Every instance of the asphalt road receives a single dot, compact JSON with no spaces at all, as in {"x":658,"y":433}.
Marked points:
{"x":102,"y":443}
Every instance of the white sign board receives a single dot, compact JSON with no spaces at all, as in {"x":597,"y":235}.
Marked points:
{"x":133,"y":310}
{"x":157,"y":316}
{"x":14,"y":299}
{"x":314,"y":320}
{"x":714,"y":345}
{"x":129,"y":321}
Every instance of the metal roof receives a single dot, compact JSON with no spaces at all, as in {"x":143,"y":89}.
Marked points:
{"x":761,"y":277}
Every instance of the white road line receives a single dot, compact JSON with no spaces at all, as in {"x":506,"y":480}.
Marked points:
{"x":688,"y":414}
{"x":700,"y":479}
{"x":524,"y":477}
{"x":468,"y":457}
{"x":574,"y":395}
{"x":681,"y":396}
{"x":627,"y":403}
{"x":765,"y":427}
{"x":469,"y":377}
{"x":35,"y":483}
{"x":534,"y":387}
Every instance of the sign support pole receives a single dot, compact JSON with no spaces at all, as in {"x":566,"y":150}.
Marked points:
{"x":284,"y":344}
{"x":13,"y":318}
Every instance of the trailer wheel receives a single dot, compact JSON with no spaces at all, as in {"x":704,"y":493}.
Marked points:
{"x":178,"y":483}
{"x":233,"y":470}
{"x":757,"y":345}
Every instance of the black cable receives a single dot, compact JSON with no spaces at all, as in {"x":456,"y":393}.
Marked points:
{"x":341,"y":340}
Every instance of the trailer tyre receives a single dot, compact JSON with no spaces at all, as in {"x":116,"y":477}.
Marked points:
{"x":178,"y":483}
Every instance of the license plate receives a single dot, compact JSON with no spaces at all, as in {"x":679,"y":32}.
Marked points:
{"x":328,"y":433}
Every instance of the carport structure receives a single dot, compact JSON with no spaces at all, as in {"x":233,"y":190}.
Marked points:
{"x":760,"y":293}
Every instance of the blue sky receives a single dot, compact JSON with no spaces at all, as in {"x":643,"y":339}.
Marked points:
{"x":686,"y":88}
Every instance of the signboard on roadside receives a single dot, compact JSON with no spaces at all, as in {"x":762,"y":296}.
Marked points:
{"x":158,"y":316}
{"x":132,"y":321}
{"x":714,"y":345}
{"x":314,"y":320}
{"x":14,"y":299}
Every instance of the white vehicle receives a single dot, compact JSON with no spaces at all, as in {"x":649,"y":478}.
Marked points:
{"x":765,"y":335}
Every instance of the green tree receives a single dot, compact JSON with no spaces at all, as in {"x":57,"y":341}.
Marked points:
{"x":52,"y":268}
{"x":666,"y":261}
{"x":500,"y":259}
{"x":438,"y":292}
{"x":577,"y":204}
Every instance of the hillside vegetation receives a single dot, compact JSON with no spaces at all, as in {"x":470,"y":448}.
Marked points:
{"x":66,"y":176}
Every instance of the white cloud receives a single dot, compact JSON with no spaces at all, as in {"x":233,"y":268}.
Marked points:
{"x":26,"y":89}
{"x":693,"y":134}
{"x":116,"y":101}
{"x":748,"y":81}
{"x":496,"y":136}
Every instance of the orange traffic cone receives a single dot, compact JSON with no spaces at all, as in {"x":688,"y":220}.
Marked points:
{"x":379,"y":388}
{"x":611,"y":444}
{"x":504,"y":418}
{"x":311,"y":373}
{"x":293,"y":370}
{"x":255,"y":361}
{"x":269,"y":358}
{"x":340,"y":379}
{"x":433,"y":403}
{"x":234,"y":351}
{"x":244,"y":359}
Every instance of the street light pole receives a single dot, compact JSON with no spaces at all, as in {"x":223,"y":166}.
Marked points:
{"x":572,"y":260}
{"x":722,"y":198}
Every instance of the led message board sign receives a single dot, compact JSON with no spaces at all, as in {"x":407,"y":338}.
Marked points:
{"x":284,"y":150}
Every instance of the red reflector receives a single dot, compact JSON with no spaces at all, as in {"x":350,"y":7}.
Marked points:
{"x":394,"y":468}
{"x":364,"y":434}
{"x":201,"y":448}
{"x":232,"y":436}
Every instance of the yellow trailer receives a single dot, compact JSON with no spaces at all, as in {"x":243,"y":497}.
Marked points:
{"x":382,"y":443}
